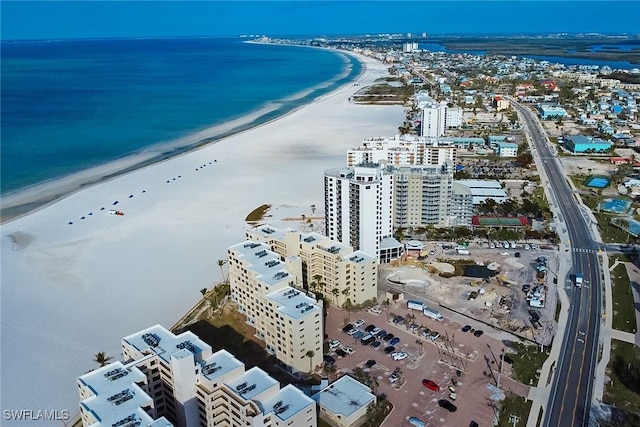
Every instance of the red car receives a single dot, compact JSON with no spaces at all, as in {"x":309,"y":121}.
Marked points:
{"x":431,"y":385}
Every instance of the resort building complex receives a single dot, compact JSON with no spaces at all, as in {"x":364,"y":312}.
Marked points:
{"x":286,"y":318}
{"x":169,"y":379}
{"x":321,"y":264}
{"x":358,"y":200}
{"x":402,"y":150}
{"x":437,"y":117}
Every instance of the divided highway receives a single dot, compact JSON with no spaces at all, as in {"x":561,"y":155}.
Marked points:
{"x":572,"y":387}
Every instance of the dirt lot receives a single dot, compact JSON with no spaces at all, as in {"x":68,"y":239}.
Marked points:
{"x":477,"y":359}
{"x":502,"y":305}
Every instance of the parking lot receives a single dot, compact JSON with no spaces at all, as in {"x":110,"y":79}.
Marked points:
{"x":457,"y":359}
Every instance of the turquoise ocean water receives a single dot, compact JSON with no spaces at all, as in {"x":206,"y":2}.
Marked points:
{"x":70,"y":105}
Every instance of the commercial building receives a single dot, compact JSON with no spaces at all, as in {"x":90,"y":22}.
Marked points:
{"x":586,"y":144}
{"x":323,"y":265}
{"x":179,"y":380}
{"x":288,"y":320}
{"x":507,"y":149}
{"x":548,"y":112}
{"x":402,"y":150}
{"x":500,"y":103}
{"x":344,"y":403}
{"x":481,"y":190}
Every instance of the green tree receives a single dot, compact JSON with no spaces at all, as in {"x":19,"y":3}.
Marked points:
{"x":346,"y":292}
{"x":203,"y":291}
{"x":101,"y":358}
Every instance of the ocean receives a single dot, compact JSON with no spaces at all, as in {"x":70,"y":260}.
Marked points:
{"x":69,"y":105}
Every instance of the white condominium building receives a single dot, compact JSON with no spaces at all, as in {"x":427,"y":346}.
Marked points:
{"x":179,"y":376}
{"x":402,"y":150}
{"x":289,"y":321}
{"x":437,"y":117}
{"x":359,"y":206}
{"x":419,"y":195}
{"x":324,"y":265}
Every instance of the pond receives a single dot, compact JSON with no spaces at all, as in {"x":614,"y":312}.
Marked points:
{"x":479,"y":271}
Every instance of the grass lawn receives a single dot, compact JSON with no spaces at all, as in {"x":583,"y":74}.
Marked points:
{"x":616,"y":392}
{"x":527,"y":361}
{"x":624,"y":311}
{"x":516,"y":406}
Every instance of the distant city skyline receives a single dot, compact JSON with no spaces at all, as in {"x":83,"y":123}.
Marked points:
{"x":24,"y":20}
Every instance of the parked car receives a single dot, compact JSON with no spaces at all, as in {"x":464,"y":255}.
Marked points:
{"x":369,"y":363}
{"x":389,"y":349}
{"x":394,"y":341}
{"x":504,"y":253}
{"x":398,"y":319}
{"x":434,"y":336}
{"x":375,"y":331}
{"x":430,"y":385}
{"x":400,"y":355}
{"x":478,"y":332}
{"x":375,"y":344}
{"x":526,"y":288}
{"x":340,"y":352}
{"x":453,"y":396}
{"x":376,"y":309}
{"x":358,"y":323}
{"x":334,"y":344}
{"x":388,"y":337}
{"x":358,"y":335}
{"x":370,"y":328}
{"x":347,"y":328}
{"x":444,"y":403}
{"x":466,"y":328}
{"x":353,"y":331}
{"x":329,"y":359}
{"x":517,"y":255}
{"x":473,"y":424}
{"x":416,"y":422}
{"x":381,"y":334}
{"x":347,"y":350}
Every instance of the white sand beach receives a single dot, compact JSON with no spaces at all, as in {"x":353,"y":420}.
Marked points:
{"x":72,"y":290}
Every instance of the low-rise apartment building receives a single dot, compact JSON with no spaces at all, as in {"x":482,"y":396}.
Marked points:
{"x":169,"y":379}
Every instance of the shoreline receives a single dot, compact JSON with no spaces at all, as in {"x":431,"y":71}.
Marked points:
{"x":76,"y":279}
{"x":23,"y":201}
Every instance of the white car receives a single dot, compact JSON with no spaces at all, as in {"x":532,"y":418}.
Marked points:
{"x":347,"y":350}
{"x":359,"y":323}
{"x":334,"y":344}
{"x":375,"y":331}
{"x":376,"y":310}
{"x":353,"y":331}
{"x":504,"y":253}
{"x":399,"y":355}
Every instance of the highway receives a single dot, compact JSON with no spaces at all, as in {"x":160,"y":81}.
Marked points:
{"x":572,"y":384}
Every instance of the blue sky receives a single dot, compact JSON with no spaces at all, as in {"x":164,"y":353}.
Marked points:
{"x":90,"y":19}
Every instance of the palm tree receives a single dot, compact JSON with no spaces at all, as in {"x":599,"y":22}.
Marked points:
{"x":101,"y":358}
{"x":335,"y":292}
{"x":346,"y":291}
{"x":419,"y":342}
{"x":221,"y":263}
{"x":386,"y":304}
{"x":203,"y":291}
{"x":310,"y":355}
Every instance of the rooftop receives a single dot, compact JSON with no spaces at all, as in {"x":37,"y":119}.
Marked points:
{"x":157,"y":339}
{"x":359,"y":257}
{"x":219,"y":364}
{"x":116,"y":394}
{"x":345,"y":396}
{"x":263,"y":262}
{"x":294,"y":303}
{"x":254,"y":382}
{"x":287,"y":403}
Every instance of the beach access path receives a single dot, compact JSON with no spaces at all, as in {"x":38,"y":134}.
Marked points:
{"x":72,"y":290}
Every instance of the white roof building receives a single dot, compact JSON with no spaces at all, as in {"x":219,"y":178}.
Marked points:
{"x":179,"y":379}
{"x":344,"y":402}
